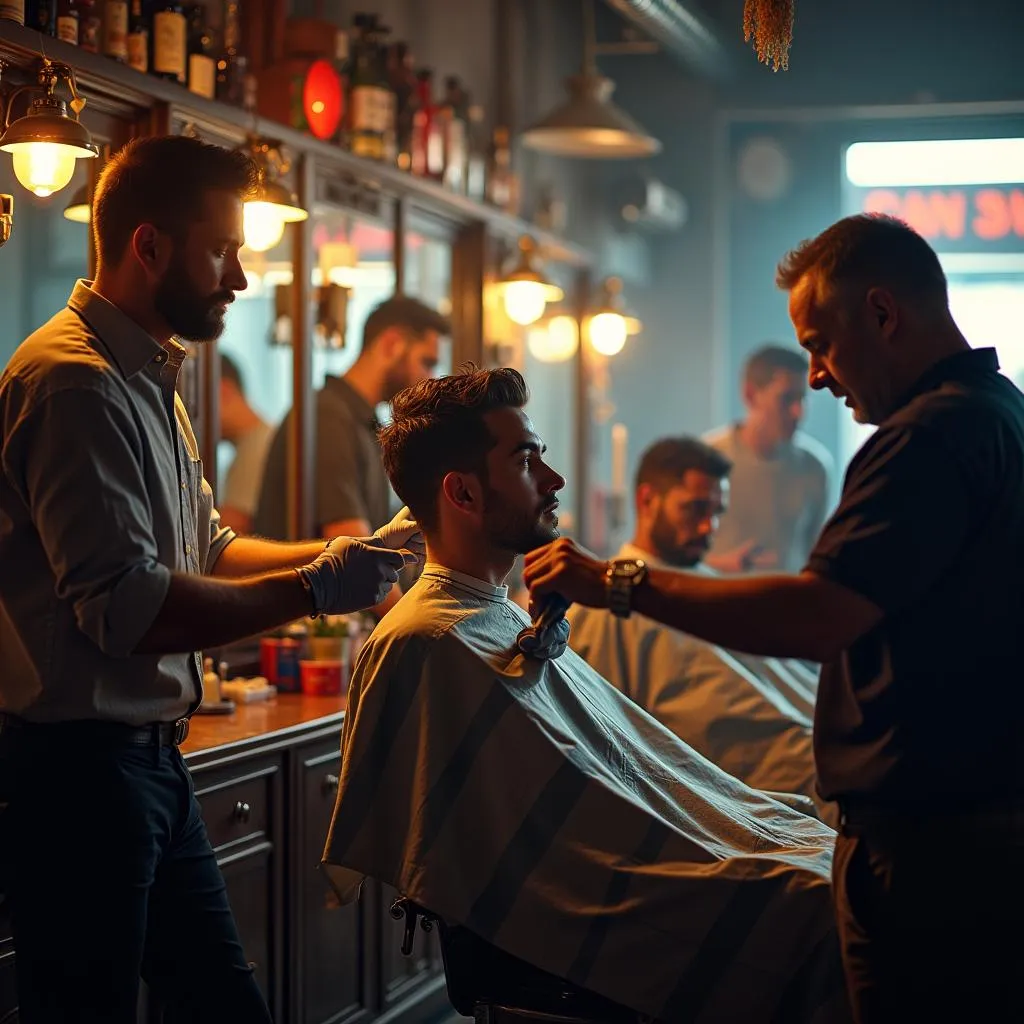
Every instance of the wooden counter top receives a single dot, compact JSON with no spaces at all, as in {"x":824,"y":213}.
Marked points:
{"x":285,"y":713}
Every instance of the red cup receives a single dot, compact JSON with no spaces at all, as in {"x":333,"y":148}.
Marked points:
{"x":323,"y":678}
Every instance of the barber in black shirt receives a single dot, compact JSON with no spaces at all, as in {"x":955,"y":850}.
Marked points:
{"x":913,"y":599}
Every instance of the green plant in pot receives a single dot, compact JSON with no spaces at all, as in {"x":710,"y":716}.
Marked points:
{"x":329,"y":638}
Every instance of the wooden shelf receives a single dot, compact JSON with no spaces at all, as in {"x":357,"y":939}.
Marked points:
{"x":118,"y":90}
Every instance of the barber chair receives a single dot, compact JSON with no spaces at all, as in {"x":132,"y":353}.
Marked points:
{"x":494,"y":987}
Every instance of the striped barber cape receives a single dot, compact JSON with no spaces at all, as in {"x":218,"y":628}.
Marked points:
{"x":536,"y":805}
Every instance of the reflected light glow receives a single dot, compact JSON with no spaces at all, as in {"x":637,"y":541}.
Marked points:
{"x":607,"y":333}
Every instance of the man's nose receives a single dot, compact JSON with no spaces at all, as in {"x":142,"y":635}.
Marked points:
{"x":234,"y":275}
{"x":818,"y":377}
{"x":556,"y":481}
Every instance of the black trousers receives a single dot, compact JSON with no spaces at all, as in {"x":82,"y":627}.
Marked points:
{"x":111,"y":877}
{"x":930,"y":923}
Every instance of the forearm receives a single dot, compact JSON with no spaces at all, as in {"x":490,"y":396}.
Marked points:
{"x":777,"y":615}
{"x":249,"y":556}
{"x":201,"y":612}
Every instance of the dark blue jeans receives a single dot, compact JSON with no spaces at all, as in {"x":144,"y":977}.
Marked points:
{"x":111,"y":877}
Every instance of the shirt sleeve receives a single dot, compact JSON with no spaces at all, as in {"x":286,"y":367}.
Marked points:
{"x":338,"y":475}
{"x":904,"y":517}
{"x":220,"y":536}
{"x":90,"y":506}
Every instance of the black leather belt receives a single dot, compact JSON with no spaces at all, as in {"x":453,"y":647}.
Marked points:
{"x":155,"y":734}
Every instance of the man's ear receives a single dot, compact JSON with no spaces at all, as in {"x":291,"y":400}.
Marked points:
{"x":646,"y":499}
{"x":151,"y":249}
{"x":391,"y":342}
{"x":749,"y":393}
{"x":883,"y":310}
{"x":463,"y":492}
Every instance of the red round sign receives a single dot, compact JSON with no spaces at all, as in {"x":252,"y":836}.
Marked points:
{"x":322,"y":99}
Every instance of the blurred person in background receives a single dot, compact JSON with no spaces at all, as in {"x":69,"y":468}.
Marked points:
{"x":250,"y":436}
{"x":781,"y":477}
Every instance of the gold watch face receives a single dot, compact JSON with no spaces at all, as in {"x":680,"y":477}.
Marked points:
{"x":628,"y":568}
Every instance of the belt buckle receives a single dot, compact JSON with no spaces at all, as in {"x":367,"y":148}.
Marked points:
{"x":180,"y":731}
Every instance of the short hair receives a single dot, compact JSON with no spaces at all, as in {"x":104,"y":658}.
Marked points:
{"x":437,"y":427}
{"x":160,"y":180}
{"x":229,"y":371}
{"x":664,"y":463}
{"x":404,"y":312}
{"x":869,"y":249}
{"x":764,"y":363}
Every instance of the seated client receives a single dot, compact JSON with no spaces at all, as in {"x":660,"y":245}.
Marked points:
{"x":529,"y":800}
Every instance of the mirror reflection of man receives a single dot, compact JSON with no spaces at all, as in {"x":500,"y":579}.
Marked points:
{"x":250,"y":436}
{"x":781,"y":477}
{"x":351,"y":494}
{"x":751,"y":716}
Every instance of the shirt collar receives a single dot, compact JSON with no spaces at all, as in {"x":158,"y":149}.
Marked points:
{"x":955,"y":367}
{"x":359,"y":405}
{"x":479,"y":588}
{"x":131,"y":348}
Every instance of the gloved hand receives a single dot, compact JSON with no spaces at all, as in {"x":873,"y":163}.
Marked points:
{"x":402,"y":532}
{"x":352,"y":575}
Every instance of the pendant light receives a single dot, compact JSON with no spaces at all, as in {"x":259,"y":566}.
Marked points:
{"x":48,"y":140}
{"x":78,"y":208}
{"x":588,"y":124}
{"x":274,"y":205}
{"x":525,"y":289}
{"x":608,"y":325}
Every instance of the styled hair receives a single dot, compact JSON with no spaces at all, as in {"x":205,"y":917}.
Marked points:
{"x":403,"y":312}
{"x":437,"y":427}
{"x":663,"y":464}
{"x":161,"y":180}
{"x":764,"y":363}
{"x":868,"y":250}
{"x":229,"y":371}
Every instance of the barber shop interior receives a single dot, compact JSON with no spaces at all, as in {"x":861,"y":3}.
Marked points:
{"x":513,"y":557}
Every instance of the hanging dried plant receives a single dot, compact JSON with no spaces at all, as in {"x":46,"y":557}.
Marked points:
{"x":770,"y":24}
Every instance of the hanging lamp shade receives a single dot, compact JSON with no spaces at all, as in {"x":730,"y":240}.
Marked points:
{"x":589,"y":125}
{"x":78,"y":209}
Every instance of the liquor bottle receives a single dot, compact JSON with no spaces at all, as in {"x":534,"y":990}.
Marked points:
{"x":428,"y":130}
{"x":115,"y":29}
{"x":169,"y":42}
{"x":41,"y":15}
{"x":90,"y":26}
{"x":202,"y":68}
{"x":502,"y":184}
{"x":138,"y":38}
{"x":387,"y":107}
{"x":367,"y":136}
{"x":13,"y":10}
{"x":231,"y":65}
{"x":343,"y":66}
{"x":476,"y":161}
{"x":454,"y":106}
{"x":402,"y":79}
{"x":67,"y":21}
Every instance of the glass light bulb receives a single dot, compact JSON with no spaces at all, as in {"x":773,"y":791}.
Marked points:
{"x":263,"y":226}
{"x":524,"y":301}
{"x":44,"y":167}
{"x":607,"y":333}
{"x":556,"y":342}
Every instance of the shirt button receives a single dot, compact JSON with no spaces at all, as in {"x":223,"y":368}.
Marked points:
{"x":161,"y":358}
{"x":183,"y":485}
{"x":188,"y":549}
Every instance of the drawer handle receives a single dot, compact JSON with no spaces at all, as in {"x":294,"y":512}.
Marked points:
{"x":330,"y":782}
{"x":243,"y":812}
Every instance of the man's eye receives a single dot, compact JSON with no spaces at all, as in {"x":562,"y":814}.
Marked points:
{"x":220,"y":253}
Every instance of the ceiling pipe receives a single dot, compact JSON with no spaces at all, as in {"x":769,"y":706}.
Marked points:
{"x":683,"y":32}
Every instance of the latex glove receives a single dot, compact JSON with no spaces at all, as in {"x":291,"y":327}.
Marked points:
{"x":402,"y":532}
{"x":351,"y":576}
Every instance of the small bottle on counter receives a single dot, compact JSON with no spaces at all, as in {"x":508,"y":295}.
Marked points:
{"x":211,"y":683}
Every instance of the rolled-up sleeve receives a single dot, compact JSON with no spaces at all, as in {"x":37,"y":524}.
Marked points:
{"x":220,"y":536}
{"x":90,"y":506}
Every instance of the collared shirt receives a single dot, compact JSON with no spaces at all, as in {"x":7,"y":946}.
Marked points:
{"x":102,"y":497}
{"x":349,"y":481}
{"x":926,"y":708}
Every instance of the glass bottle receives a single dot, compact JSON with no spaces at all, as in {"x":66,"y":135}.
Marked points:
{"x":202,"y":68}
{"x":231,"y":65}
{"x":115,"y":29}
{"x":170,"y":48}
{"x":137,"y":42}
{"x":67,"y":21}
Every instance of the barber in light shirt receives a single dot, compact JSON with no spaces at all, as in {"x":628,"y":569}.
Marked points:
{"x":116,"y":572}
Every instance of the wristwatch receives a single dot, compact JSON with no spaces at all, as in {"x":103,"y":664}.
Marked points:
{"x":621,"y":577}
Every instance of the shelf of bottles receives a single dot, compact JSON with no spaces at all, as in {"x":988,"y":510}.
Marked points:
{"x":352,"y":87}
